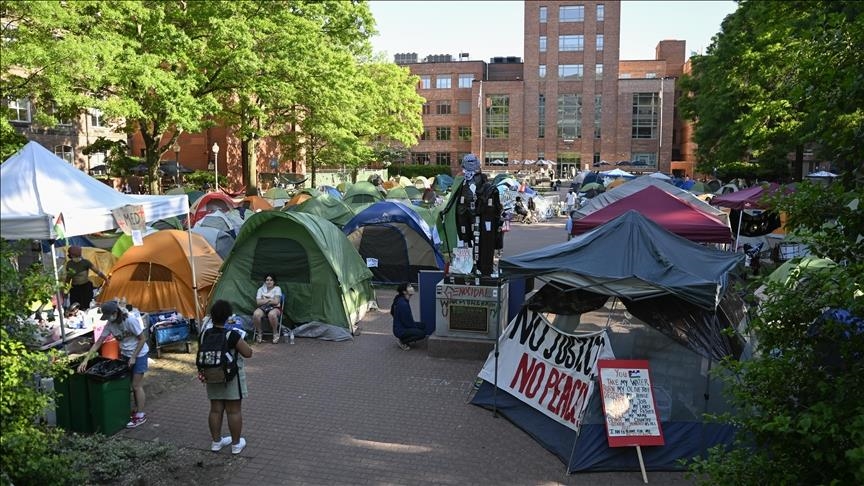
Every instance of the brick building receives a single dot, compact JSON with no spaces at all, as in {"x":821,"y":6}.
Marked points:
{"x":572,"y":100}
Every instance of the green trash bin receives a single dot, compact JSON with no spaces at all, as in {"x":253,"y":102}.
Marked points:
{"x":73,"y":403}
{"x":108,"y":385}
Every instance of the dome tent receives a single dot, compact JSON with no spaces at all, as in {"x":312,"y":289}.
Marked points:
{"x":321,"y":275}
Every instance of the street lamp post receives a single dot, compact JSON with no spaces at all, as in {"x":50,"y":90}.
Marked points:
{"x":215,"y":149}
{"x":176,"y":149}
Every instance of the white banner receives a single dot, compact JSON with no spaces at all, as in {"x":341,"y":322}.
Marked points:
{"x":548,"y":369}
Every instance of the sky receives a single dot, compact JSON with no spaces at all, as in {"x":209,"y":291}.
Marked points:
{"x":495,"y":28}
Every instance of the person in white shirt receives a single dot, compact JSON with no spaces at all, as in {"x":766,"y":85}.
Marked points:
{"x":269,"y":301}
{"x":570,"y":201}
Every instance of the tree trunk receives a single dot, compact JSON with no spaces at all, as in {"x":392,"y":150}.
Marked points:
{"x":250,"y":166}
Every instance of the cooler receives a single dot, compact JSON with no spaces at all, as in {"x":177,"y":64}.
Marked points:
{"x":168,"y":328}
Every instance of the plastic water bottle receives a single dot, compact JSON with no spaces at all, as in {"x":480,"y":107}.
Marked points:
{"x":291,"y":336}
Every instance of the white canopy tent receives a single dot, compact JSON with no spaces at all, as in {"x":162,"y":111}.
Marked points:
{"x":40,"y":193}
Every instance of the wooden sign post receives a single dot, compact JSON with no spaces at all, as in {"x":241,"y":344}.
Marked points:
{"x":629,"y":407}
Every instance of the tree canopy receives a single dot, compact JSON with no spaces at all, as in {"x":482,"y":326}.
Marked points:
{"x":260,"y":68}
{"x":780,"y":78}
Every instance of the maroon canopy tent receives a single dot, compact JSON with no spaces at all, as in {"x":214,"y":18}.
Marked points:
{"x":664,"y":209}
{"x":746,"y":198}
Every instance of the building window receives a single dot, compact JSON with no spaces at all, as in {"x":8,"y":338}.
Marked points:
{"x":444,"y":107}
{"x":571,"y":43}
{"x":542,"y":71}
{"x":543,"y":15}
{"x":425,"y":82}
{"x":96,"y":118}
{"x":465,"y":80}
{"x":442,"y":82}
{"x":569,"y":116}
{"x":498,"y":117}
{"x":649,"y":158}
{"x":442,"y":133}
{"x":541,"y":116}
{"x":601,"y":12}
{"x":489,"y":157}
{"x":61,"y":120}
{"x":571,"y":13}
{"x":464,"y":107}
{"x":426,"y":135}
{"x":427,"y":108}
{"x":650,"y":75}
{"x":65,"y":152}
{"x":596,"y":158}
{"x":465,"y":134}
{"x":599,"y":42}
{"x":645,"y":115}
{"x":442,"y":158}
{"x":421,"y":158}
{"x":598,"y":114}
{"x":570,"y":71}
{"x":19,"y":110}
{"x":598,"y":72}
{"x":542,"y":43}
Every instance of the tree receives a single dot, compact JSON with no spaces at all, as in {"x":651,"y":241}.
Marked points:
{"x":780,"y":77}
{"x":800,"y":399}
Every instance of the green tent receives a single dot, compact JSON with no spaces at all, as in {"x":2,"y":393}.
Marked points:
{"x":790,"y":271}
{"x":326,"y":206}
{"x":362,"y":192}
{"x":321,"y":275}
{"x":398,"y":193}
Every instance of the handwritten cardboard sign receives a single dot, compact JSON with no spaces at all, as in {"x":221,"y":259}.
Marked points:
{"x":628,"y":403}
{"x":130,"y":219}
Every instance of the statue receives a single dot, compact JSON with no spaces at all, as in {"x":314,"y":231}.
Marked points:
{"x":478,"y":216}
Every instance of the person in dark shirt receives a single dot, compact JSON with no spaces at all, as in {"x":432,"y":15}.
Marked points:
{"x":405,"y":328}
{"x":78,"y":276}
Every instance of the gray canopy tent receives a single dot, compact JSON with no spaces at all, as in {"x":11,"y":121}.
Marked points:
{"x":680,"y":290}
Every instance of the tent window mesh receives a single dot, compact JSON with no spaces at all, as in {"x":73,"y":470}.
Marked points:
{"x":283,"y":257}
{"x":152,"y":273}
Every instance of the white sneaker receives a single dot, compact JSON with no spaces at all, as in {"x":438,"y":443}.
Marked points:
{"x":238,"y":447}
{"x":217,"y":446}
{"x":402,"y":345}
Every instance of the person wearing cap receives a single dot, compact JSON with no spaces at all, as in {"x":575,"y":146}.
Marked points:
{"x":78,"y":275}
{"x":129,"y":331}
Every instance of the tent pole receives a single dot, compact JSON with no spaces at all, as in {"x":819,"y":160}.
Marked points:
{"x":497,"y":336}
{"x":59,"y":297}
{"x":738,"y":233}
{"x":198,"y":322}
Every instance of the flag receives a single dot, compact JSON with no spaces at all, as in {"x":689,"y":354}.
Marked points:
{"x":480,"y":96}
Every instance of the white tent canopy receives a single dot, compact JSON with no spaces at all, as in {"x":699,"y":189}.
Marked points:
{"x":823,"y":174}
{"x":37,"y":188}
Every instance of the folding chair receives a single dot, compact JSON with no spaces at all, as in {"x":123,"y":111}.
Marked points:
{"x":265,"y":322}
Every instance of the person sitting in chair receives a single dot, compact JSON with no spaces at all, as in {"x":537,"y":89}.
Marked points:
{"x":520,"y":210}
{"x":268,"y":301}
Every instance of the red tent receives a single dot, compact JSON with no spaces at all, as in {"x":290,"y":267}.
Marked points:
{"x":212,"y":201}
{"x":746,"y":198}
{"x":668,"y":211}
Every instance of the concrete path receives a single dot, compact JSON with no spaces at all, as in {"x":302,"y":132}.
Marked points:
{"x":366,"y":412}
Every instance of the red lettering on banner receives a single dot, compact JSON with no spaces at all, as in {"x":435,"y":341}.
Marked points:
{"x":551,"y":384}
{"x":530,"y":375}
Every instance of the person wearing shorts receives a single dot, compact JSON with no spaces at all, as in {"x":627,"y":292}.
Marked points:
{"x":268,"y":301}
{"x":129,"y":331}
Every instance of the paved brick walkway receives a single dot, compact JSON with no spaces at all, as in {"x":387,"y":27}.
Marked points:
{"x":366,"y":412}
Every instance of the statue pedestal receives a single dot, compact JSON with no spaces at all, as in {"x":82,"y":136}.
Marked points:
{"x":469,"y":315}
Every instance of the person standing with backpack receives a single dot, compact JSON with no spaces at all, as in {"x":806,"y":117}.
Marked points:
{"x":221,"y":366}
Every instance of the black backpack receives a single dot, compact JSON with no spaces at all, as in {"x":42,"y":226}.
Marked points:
{"x":216,"y":363}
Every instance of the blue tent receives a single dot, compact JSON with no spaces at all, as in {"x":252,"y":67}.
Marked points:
{"x":332,"y":191}
{"x":395,"y":242}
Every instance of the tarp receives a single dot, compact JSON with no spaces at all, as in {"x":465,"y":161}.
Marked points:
{"x":642,"y":182}
{"x":39,"y":189}
{"x":321,"y":275}
{"x":303,"y":196}
{"x":395,"y":242}
{"x":665,"y":209}
{"x":158,"y":275}
{"x":326,"y":206}
{"x":631,"y":257}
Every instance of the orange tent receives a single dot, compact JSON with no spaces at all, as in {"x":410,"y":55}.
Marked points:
{"x":256,"y":203}
{"x":158,"y":275}
{"x":615,"y":183}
